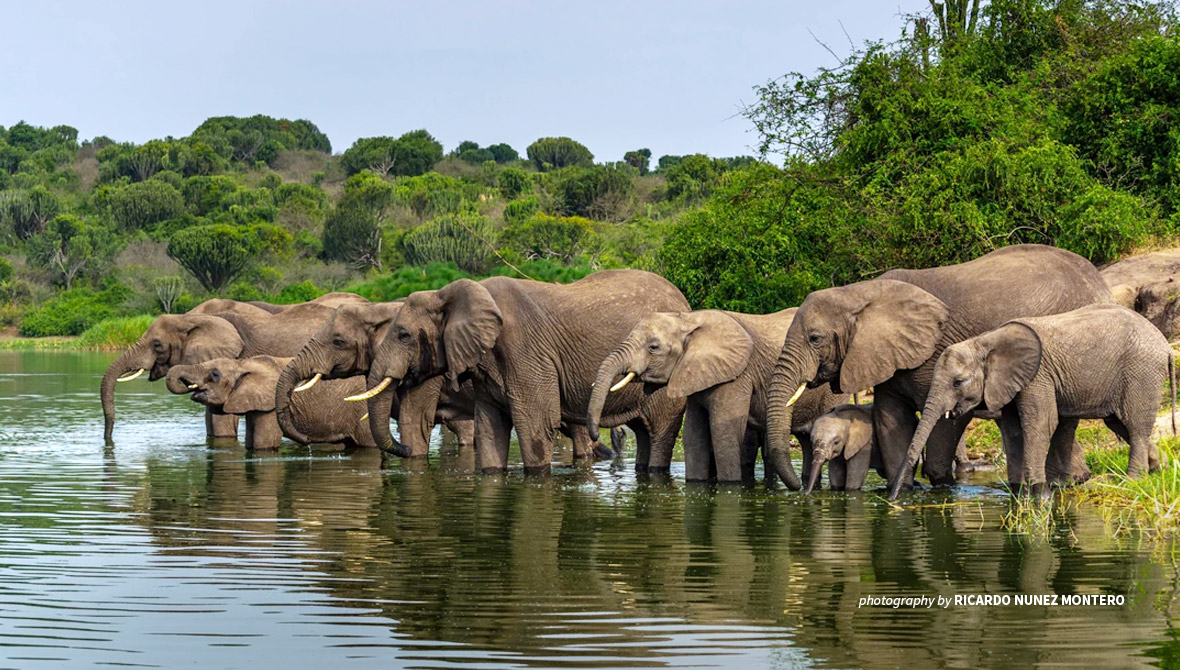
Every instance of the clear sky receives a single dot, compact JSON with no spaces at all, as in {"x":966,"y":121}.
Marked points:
{"x":614,"y":75}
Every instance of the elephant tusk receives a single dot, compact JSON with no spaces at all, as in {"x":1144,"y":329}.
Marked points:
{"x":307,"y":384}
{"x":364,"y":418}
{"x":947,"y":415}
{"x":192,"y":387}
{"x":371,"y":392}
{"x":129,"y":377}
{"x":623,"y":382}
{"x":798,"y":392}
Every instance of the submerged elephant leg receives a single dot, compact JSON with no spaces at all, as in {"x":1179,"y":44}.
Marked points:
{"x":856,"y":469}
{"x":838,"y":474}
{"x":642,"y":444}
{"x":464,"y":430}
{"x":415,"y":416}
{"x":1062,"y":466}
{"x":493,"y":431}
{"x":894,"y":424}
{"x":698,"y":447}
{"x":806,"y":448}
{"x":729,"y":413}
{"x":1013,"y":439}
{"x":263,"y":431}
{"x":220,"y":425}
{"x":618,"y":441}
{"x":939,"y":467}
{"x":663,"y":441}
{"x":536,"y":421}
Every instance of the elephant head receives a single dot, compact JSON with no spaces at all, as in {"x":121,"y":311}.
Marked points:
{"x":172,"y":339}
{"x":443,"y":332}
{"x":343,"y":346}
{"x":686,"y":351}
{"x":854,"y":337}
{"x":230,"y":385}
{"x":990,"y":369}
{"x":843,"y":432}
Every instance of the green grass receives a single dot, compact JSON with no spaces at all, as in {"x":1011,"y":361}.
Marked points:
{"x":106,"y":335}
{"x":1149,"y":504}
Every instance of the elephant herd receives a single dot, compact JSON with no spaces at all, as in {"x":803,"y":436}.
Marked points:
{"x":1025,"y":335}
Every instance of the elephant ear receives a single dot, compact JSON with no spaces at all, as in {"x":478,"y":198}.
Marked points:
{"x":860,"y":432}
{"x":209,"y":337}
{"x":378,"y":316}
{"x":1012,"y":359}
{"x":716,"y":349}
{"x":892,"y":326}
{"x":254,"y":389}
{"x":471,"y":324}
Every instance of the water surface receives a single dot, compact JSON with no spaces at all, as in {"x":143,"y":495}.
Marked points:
{"x":166,"y":551}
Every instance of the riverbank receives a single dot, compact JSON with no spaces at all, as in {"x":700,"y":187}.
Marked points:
{"x":106,"y":335}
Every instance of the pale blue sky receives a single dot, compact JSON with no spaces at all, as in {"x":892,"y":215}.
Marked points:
{"x":615,"y":75}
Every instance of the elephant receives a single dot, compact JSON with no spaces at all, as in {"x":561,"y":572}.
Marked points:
{"x":721,"y":363}
{"x":531,"y":350}
{"x":344,"y":346}
{"x":1097,"y":362}
{"x":333,"y":300}
{"x":1147,"y":284}
{"x":245,"y":386}
{"x":199,"y":336}
{"x":886,"y":333}
{"x":843,"y":438}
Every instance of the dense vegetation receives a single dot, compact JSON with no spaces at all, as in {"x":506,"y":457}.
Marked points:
{"x":985,"y":124}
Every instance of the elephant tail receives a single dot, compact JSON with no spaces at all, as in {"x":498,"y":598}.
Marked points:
{"x":1172,"y":386}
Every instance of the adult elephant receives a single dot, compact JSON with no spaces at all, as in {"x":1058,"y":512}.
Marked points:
{"x":531,"y":350}
{"x":199,"y":336}
{"x":721,"y":363}
{"x":333,"y":300}
{"x":887,"y":333}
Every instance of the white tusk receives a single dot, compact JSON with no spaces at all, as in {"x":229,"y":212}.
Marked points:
{"x":129,"y":377}
{"x":623,"y":382}
{"x":192,"y":386}
{"x":363,"y":418}
{"x":947,"y":415}
{"x":798,"y":392}
{"x":307,"y":384}
{"x":371,"y":392}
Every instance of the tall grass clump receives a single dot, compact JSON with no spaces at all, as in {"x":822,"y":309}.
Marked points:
{"x":114,"y":334}
{"x":1148,"y":504}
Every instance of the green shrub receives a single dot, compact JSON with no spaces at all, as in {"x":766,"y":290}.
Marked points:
{"x":406,"y":280}
{"x":215,"y":254}
{"x":5,"y":270}
{"x":554,"y":153}
{"x":567,"y":240}
{"x":115,"y":334}
{"x":512,"y":182}
{"x":296,"y":293}
{"x":454,"y":238}
{"x":72,"y":312}
{"x":244,"y":292}
{"x":519,"y":211}
{"x":139,"y":205}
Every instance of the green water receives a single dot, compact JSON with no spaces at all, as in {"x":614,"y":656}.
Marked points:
{"x":165,"y":551}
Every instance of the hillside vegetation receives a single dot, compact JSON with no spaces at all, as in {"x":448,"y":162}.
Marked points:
{"x":982,"y":125}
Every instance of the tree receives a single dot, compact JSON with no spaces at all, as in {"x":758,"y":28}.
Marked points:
{"x":595,"y":192}
{"x":139,"y":205}
{"x":502,"y":153}
{"x":453,"y":238}
{"x":554,"y":153}
{"x":215,"y":254}
{"x":69,"y":246}
{"x":512,"y":182}
{"x":24,"y":213}
{"x":414,"y":153}
{"x":168,"y":290}
{"x":638,"y":159}
{"x":568,"y":240}
{"x":369,"y":153}
{"x":352,"y":231}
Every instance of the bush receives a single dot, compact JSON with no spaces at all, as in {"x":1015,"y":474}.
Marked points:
{"x":512,"y":182}
{"x":595,"y":192}
{"x":115,"y":334}
{"x":5,"y":270}
{"x":414,"y":153}
{"x":215,"y":254}
{"x":567,"y":240}
{"x":554,"y":153}
{"x":454,"y":239}
{"x":406,"y":280}
{"x":296,"y":293}
{"x":72,"y":312}
{"x":139,"y":205}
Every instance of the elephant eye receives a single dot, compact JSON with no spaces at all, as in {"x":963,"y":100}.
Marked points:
{"x":958,"y":383}
{"x":339,"y":343}
{"x":404,"y":336}
{"x":215,"y":375}
{"x":654,"y":346}
{"x":814,"y":338}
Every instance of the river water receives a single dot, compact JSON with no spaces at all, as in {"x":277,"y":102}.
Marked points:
{"x":165,"y":551}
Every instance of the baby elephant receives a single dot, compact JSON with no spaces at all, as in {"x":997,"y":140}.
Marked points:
{"x":1098,"y":362}
{"x":843,"y":438}
{"x":246,"y":386}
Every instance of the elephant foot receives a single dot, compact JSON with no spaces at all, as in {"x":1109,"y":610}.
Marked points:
{"x":534,"y":470}
{"x":493,"y":471}
{"x":602,"y":452}
{"x":942,"y":482}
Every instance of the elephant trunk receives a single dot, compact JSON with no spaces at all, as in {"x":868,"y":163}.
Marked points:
{"x":299,"y":369}
{"x":135,"y":358}
{"x":817,"y":468}
{"x":618,"y":362}
{"x":793,"y":369}
{"x":932,"y":412}
{"x":380,"y":409}
{"x":180,"y":378}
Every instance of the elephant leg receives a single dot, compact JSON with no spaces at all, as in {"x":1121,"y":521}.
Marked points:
{"x":805,"y":445}
{"x":583,"y":445}
{"x":698,"y":445}
{"x":262,"y":430}
{"x":1061,"y":467}
{"x":939,"y":466}
{"x":728,"y":432}
{"x":618,"y":441}
{"x":220,"y":425}
{"x":415,"y":417}
{"x":961,"y":458}
{"x":751,"y":443}
{"x":493,"y":431}
{"x":536,"y":420}
{"x":894,"y":423}
{"x":464,"y":430}
{"x":856,"y":469}
{"x":1038,"y":421}
{"x":1013,"y":437}
{"x":837,"y":474}
{"x":642,"y":444}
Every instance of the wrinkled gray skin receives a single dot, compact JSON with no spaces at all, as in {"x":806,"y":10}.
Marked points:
{"x":887,"y":334}
{"x":721,"y":363}
{"x":1147,"y":284}
{"x":532,"y":350}
{"x":843,"y":438}
{"x":1098,"y":362}
{"x":235,"y":330}
{"x":245,"y":386}
{"x":344,"y":347}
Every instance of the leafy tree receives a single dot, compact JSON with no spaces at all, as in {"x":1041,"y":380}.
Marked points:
{"x":352,"y":232}
{"x":461,"y":239}
{"x":595,"y":192}
{"x":502,"y":153}
{"x":667,"y":162}
{"x":215,"y":254}
{"x":554,"y":153}
{"x":694,"y":177}
{"x":69,"y":246}
{"x":412,"y":154}
{"x":512,"y":182}
{"x":24,"y":213}
{"x":567,"y":240}
{"x":259,"y":137}
{"x":139,"y":205}
{"x":638,"y":159}
{"x":470,"y":152}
